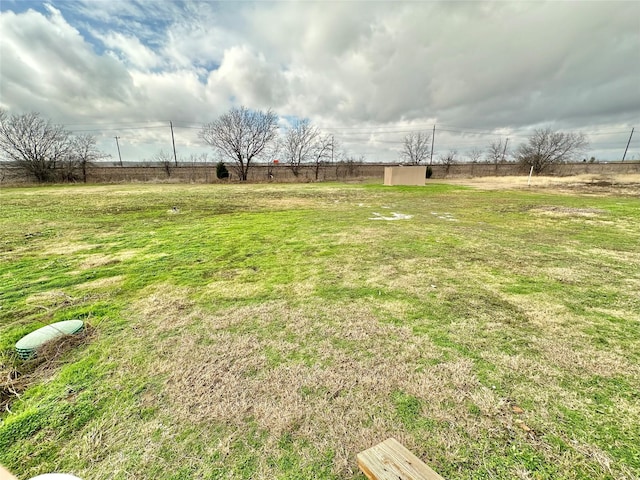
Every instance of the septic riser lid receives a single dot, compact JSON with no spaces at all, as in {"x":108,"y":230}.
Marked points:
{"x":28,"y":344}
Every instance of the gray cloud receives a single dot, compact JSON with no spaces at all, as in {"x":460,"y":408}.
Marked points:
{"x":483,"y":65}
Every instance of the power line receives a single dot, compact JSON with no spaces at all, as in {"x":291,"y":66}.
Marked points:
{"x":367,"y":130}
{"x":384,"y":136}
{"x":117,"y":129}
{"x":108,"y":123}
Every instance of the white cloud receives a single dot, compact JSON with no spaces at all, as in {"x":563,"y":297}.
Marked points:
{"x":131,"y":50}
{"x":200,"y":36}
{"x":48,"y":67}
{"x":176,"y":95}
{"x":249,"y":78}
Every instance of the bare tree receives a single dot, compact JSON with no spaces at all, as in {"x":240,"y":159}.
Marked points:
{"x":165,"y":160}
{"x":546,"y":147}
{"x":416,"y":148}
{"x":194,"y":159}
{"x":299,"y":143}
{"x":496,"y":151}
{"x":323,"y":150}
{"x":67,"y":169}
{"x":348,"y":165}
{"x":339,"y":158}
{"x":475,"y":154}
{"x":85,"y":152}
{"x":34,"y":145}
{"x":448,"y":159}
{"x":242,"y":135}
{"x":272,"y":153}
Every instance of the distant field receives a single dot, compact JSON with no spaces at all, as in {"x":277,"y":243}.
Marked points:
{"x":274,"y":331}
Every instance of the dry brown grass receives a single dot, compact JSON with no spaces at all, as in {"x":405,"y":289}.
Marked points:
{"x":628,"y":184}
{"x":65,"y":248}
{"x":568,"y":211}
{"x":623,"y":257}
{"x":327,"y":374}
{"x":557,"y":362}
{"x":100,"y":260}
{"x":234,"y":289}
{"x":101,"y":283}
{"x":295,"y":371}
{"x":562,"y":343}
{"x":50,"y":299}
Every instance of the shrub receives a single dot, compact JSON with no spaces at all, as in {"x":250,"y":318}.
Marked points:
{"x":429,"y":171}
{"x":221,"y":170}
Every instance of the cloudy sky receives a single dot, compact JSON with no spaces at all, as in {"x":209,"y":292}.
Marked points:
{"x":366,"y":71}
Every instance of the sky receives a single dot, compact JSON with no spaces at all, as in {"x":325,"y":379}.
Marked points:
{"x":367,"y":72}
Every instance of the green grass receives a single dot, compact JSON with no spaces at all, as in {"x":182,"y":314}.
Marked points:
{"x":274,"y":331}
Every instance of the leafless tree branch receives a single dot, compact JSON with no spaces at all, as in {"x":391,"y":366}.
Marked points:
{"x":85,"y":152}
{"x":546,"y":147}
{"x":474,"y":155}
{"x":448,"y":159}
{"x":34,"y":145}
{"x":416,"y":148}
{"x":242,"y":135}
{"x":299,"y":144}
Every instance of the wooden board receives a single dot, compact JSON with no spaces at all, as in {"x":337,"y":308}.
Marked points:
{"x":390,"y":460}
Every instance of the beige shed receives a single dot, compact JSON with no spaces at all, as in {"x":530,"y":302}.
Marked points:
{"x":407,"y":175}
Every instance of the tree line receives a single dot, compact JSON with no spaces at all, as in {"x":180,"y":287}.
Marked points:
{"x":44,"y":151}
{"x":542,"y":149}
{"x":47,"y":152}
{"x":241,"y":135}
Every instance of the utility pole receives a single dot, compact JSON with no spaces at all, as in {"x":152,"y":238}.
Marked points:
{"x":175,"y":158}
{"x":505,"y":149}
{"x":332,"y":148}
{"x":118,"y":145}
{"x":433,"y":137}
{"x":625,"y":150}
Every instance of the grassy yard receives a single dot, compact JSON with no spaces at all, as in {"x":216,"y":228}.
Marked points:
{"x":274,"y":331}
